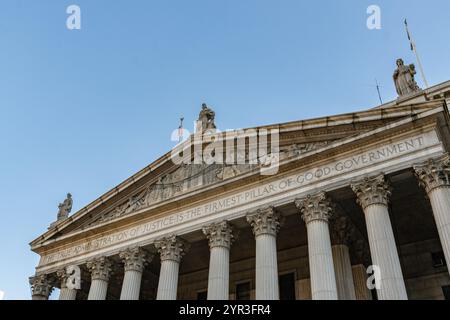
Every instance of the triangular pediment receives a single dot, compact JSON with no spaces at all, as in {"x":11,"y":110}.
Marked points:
{"x":163,"y":181}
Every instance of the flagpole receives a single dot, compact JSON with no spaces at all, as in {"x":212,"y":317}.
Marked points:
{"x":414,"y":49}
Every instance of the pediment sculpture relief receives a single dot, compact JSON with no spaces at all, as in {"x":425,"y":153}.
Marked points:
{"x":189,"y":177}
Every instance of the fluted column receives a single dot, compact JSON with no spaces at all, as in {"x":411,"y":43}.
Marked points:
{"x":266,"y":224}
{"x":220,"y":236}
{"x":100,"y":270}
{"x":134,"y":260}
{"x":65,"y":293}
{"x":316,"y":210}
{"x":373,"y":195}
{"x":171,"y":249}
{"x":342,"y":233}
{"x":434,"y":176}
{"x":362,"y":292}
{"x":41,"y":287}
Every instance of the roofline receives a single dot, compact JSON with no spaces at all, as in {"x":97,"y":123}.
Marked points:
{"x":381,"y":112}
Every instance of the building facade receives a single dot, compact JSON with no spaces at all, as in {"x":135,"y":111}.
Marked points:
{"x":352,"y":192}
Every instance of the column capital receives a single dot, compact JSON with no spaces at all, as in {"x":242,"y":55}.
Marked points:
{"x":434,"y":173}
{"x":315,"y":207}
{"x":62,"y":275}
{"x":41,"y":285}
{"x":264,"y":221}
{"x":372,"y":190}
{"x":342,"y":230}
{"x":219,"y":234}
{"x":171,"y":248}
{"x":100,"y":268}
{"x":135,"y":259}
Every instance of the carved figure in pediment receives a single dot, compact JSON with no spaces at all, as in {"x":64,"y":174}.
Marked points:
{"x":227,"y":172}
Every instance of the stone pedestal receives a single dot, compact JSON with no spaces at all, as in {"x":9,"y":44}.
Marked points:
{"x":220,"y":238}
{"x":316,"y":210}
{"x":373,"y":196}
{"x":171,"y":250}
{"x":265,"y":224}
{"x":100,"y":270}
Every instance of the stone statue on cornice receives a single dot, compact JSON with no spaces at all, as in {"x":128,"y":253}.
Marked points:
{"x":206,"y":119}
{"x":404,"y":78}
{"x":65,"y":208}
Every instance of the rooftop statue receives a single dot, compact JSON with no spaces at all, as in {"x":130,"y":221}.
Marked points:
{"x":65,"y":208}
{"x":404,"y":79}
{"x":206,"y":119}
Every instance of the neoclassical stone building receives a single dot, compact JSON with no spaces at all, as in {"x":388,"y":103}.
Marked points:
{"x":351,"y":191}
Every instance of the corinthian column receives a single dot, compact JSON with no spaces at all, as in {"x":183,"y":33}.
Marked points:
{"x":220,"y":237}
{"x":134,"y":260}
{"x":266,"y":224}
{"x":316,"y":210}
{"x":373,"y":196}
{"x":434,"y":176}
{"x":171,"y":249}
{"x":100,"y":270}
{"x":41,"y":287}
{"x":65,"y":293}
{"x":342,"y":231}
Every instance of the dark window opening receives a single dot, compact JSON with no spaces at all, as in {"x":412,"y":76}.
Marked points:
{"x":202,"y":295}
{"x":438,"y":259}
{"x":287,"y":286}
{"x":243,"y":291}
{"x":446,"y":291}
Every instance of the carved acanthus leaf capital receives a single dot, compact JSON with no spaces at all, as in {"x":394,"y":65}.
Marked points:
{"x":434,"y":173}
{"x":315,"y":207}
{"x":372,"y":190}
{"x":100,"y":268}
{"x":41,"y":285}
{"x":171,"y":248}
{"x":135,"y":259}
{"x":219,"y":234}
{"x":264,"y":221}
{"x":342,"y":230}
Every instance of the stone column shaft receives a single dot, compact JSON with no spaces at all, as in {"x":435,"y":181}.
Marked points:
{"x":373,"y":196}
{"x":362,"y":292}
{"x":343,"y":272}
{"x":65,"y":293}
{"x":440,"y":202}
{"x":434,"y":176}
{"x":316,"y":210}
{"x":266,"y":224}
{"x":171,"y":250}
{"x":100,"y":269}
{"x":134,"y":260}
{"x":168,"y":280}
{"x":220,"y":238}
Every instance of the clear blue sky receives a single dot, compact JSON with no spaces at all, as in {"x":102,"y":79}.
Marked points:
{"x":82,"y":110}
